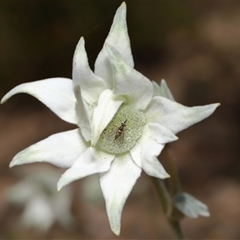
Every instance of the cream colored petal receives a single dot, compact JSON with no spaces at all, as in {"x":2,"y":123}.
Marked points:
{"x":56,"y":93}
{"x":116,"y":185}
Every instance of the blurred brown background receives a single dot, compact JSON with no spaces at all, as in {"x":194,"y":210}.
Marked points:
{"x":194,"y":46}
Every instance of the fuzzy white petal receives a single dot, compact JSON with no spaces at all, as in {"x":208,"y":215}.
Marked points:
{"x":118,"y":37}
{"x":129,"y":82}
{"x":90,"y":162}
{"x":61,"y":149}
{"x":175,"y":116}
{"x":83,"y":75}
{"x":82,"y":111}
{"x":154,"y":132}
{"x":159,"y":133}
{"x":116,"y":185}
{"x":162,"y":90}
{"x":55,"y":93}
{"x":150,"y":146}
{"x":108,"y":105}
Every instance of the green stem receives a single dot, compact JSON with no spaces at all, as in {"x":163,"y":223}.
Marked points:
{"x":172,"y":170}
{"x":177,"y":229}
{"x":165,"y":198}
{"x":163,"y":195}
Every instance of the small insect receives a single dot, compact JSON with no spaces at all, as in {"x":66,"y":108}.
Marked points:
{"x":119,"y":133}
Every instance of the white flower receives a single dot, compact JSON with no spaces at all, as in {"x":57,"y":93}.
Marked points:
{"x":123,"y":126}
{"x":43,"y":205}
{"x":190,"y":206}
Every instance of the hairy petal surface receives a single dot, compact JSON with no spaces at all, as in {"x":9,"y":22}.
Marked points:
{"x":61,"y":149}
{"x":150,"y":146}
{"x":83,"y":75}
{"x":55,"y":93}
{"x":129,"y":82}
{"x":82,"y":111}
{"x":162,"y":90}
{"x":118,"y":37}
{"x":116,"y":185}
{"x":90,"y":162}
{"x":175,"y":116}
{"x":108,"y":105}
{"x":154,"y":132}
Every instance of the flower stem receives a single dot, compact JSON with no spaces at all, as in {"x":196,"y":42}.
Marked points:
{"x":172,"y":170}
{"x":165,"y":197}
{"x":177,"y":229}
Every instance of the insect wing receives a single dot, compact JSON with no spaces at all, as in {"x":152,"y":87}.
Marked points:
{"x":120,"y":137}
{"x":110,"y":136}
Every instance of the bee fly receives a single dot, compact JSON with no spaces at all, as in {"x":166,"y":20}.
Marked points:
{"x":120,"y":132}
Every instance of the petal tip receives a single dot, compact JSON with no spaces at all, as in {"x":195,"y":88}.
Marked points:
{"x":116,"y":231}
{"x":11,"y":164}
{"x":167,"y":175}
{"x":3,"y":100}
{"x":14,"y":163}
{"x":123,"y":4}
{"x":6,"y":97}
{"x":60,"y":184}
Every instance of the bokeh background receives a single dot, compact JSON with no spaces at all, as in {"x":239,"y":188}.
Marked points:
{"x":194,"y":46}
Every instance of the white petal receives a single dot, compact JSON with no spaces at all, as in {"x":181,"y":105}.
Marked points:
{"x":90,"y":162}
{"x":117,"y":37}
{"x":108,"y":105}
{"x":84,"y":121}
{"x":128,"y":82}
{"x":56,"y":93}
{"x":175,"y":116}
{"x":91,"y":85}
{"x":160,"y":133}
{"x":116,"y":185}
{"x":155,"y":132}
{"x":150,"y":149}
{"x":190,"y":206}
{"x":61,"y":149}
{"x":162,"y":90}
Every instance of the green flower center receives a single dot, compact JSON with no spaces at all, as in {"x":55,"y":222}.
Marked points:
{"x":122,"y":133}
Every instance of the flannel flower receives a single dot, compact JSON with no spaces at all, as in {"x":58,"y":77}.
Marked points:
{"x":43,"y":205}
{"x":122,"y":124}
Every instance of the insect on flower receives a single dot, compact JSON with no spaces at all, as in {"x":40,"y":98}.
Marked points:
{"x":119,"y":134}
{"x":116,"y":134}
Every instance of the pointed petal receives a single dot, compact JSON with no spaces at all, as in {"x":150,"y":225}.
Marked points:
{"x":116,"y":185}
{"x":175,"y":116}
{"x":90,"y":162}
{"x":84,"y":121}
{"x":162,"y":90}
{"x":83,"y":75}
{"x":61,"y":149}
{"x":56,"y":93}
{"x":136,"y":87}
{"x":150,"y":146}
{"x":108,"y":105}
{"x":154,"y":132}
{"x":190,"y":206}
{"x":117,"y":37}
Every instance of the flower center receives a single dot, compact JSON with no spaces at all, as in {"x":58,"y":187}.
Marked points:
{"x":122,"y":133}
